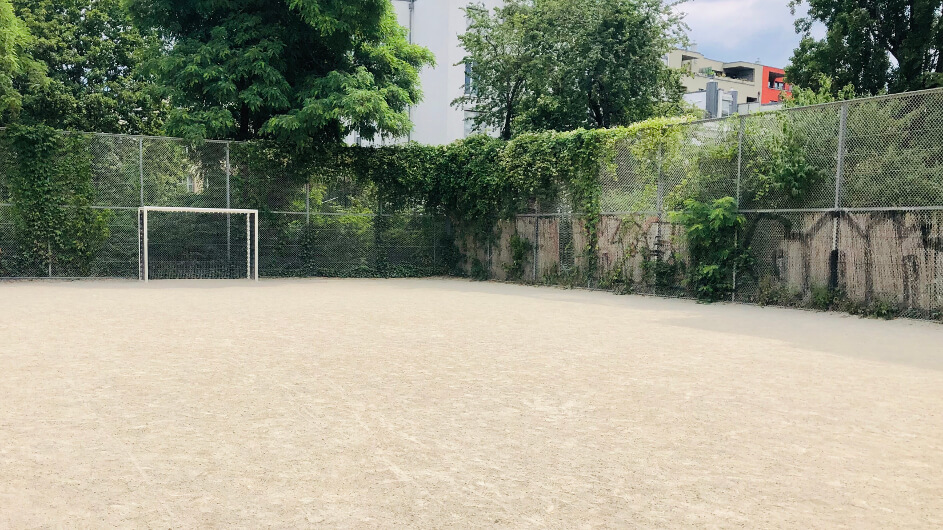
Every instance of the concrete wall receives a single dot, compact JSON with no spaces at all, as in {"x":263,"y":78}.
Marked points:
{"x":895,"y":258}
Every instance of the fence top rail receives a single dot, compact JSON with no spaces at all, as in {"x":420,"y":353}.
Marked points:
{"x":899,"y":95}
{"x":195,"y":210}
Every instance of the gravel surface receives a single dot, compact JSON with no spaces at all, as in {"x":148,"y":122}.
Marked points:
{"x":446,"y":403}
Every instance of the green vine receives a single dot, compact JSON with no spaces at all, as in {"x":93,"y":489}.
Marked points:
{"x":782,"y":173}
{"x":50,"y":187}
{"x":522,"y":252}
{"x":711,"y":231}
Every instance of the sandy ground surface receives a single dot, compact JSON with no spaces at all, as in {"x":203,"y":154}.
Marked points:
{"x":445,"y":403}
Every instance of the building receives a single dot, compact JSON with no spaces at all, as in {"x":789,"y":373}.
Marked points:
{"x":754,"y":83}
{"x":436,"y":24}
{"x":719,"y":103}
{"x":715,"y":102}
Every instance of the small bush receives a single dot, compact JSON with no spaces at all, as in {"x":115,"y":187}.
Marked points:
{"x":711,"y":231}
{"x":479,"y":271}
{"x":522,"y":252}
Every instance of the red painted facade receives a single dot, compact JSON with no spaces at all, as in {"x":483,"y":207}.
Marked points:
{"x":773,"y":84}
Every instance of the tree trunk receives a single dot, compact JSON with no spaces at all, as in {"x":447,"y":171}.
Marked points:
{"x":244,"y":122}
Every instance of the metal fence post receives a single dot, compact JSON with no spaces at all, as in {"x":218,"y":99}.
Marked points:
{"x":307,"y":203}
{"x":659,"y":200}
{"x":141,"y":168}
{"x":228,"y":216}
{"x":142,"y":226}
{"x":659,"y":209}
{"x":147,"y":264}
{"x":736,"y":236}
{"x":836,"y":214}
{"x":536,"y":244}
{"x":740,"y":137}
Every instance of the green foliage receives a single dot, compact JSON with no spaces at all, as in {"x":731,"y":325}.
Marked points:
{"x":823,"y":90}
{"x":783,"y":175}
{"x":771,"y":292}
{"x":500,"y":52}
{"x":93,"y":53}
{"x":479,"y":271}
{"x":293,"y":69}
{"x":894,"y":45}
{"x":825,"y":299}
{"x":467,"y":186}
{"x":548,"y":166}
{"x":564,"y":64}
{"x":15,"y":63}
{"x":664,"y":275}
{"x":51,"y":191}
{"x":711,"y":231}
{"x":902,"y":160}
{"x":522,"y":252}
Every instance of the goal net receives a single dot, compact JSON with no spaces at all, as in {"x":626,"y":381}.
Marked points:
{"x":198,"y":243}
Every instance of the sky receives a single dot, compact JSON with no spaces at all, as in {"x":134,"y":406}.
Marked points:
{"x":743,"y":30}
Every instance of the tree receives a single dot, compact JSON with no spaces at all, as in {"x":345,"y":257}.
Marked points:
{"x":292,"y":69}
{"x":874,"y":45}
{"x":93,"y":53}
{"x":565,"y":64}
{"x":825,"y":92}
{"x":501,"y":52}
{"x":15,"y":62}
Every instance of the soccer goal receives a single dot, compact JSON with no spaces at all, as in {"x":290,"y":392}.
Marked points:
{"x":198,"y":243}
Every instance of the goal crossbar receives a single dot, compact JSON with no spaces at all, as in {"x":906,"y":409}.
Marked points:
{"x":252,"y":235}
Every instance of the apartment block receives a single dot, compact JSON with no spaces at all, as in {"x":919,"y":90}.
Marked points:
{"x":754,"y":83}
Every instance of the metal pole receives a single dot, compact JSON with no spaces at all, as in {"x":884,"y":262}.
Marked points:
{"x":409,"y":110}
{"x":141,"y":168}
{"x":839,"y":176}
{"x":307,"y":203}
{"x":659,"y":200}
{"x":490,"y":264}
{"x":146,"y":260}
{"x":659,"y":207}
{"x":736,"y":236}
{"x":840,"y":167}
{"x":228,"y":216}
{"x":248,"y":247}
{"x":536,"y":245}
{"x":256,"y":245}
{"x":740,"y":136}
{"x":140,"y":263}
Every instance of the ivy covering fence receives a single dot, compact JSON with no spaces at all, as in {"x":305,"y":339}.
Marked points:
{"x":836,"y":206}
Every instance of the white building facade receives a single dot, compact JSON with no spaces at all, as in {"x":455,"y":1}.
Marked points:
{"x":436,"y":24}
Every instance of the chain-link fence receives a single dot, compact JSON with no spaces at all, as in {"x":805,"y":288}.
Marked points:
{"x":311,"y":225}
{"x":842,"y":201}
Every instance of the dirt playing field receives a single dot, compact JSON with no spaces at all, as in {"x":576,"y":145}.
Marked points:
{"x":446,"y":403}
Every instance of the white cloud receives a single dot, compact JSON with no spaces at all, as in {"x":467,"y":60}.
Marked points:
{"x":742,"y":29}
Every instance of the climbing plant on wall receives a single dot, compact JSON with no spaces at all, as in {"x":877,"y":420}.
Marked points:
{"x":50,"y":187}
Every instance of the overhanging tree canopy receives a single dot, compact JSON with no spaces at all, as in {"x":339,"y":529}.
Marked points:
{"x":294,"y":69}
{"x":14,"y":62}
{"x":875,"y":45}
{"x":566,"y":64}
{"x":92,"y":52}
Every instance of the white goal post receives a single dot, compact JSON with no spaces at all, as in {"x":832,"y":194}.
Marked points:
{"x":145,"y":239}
